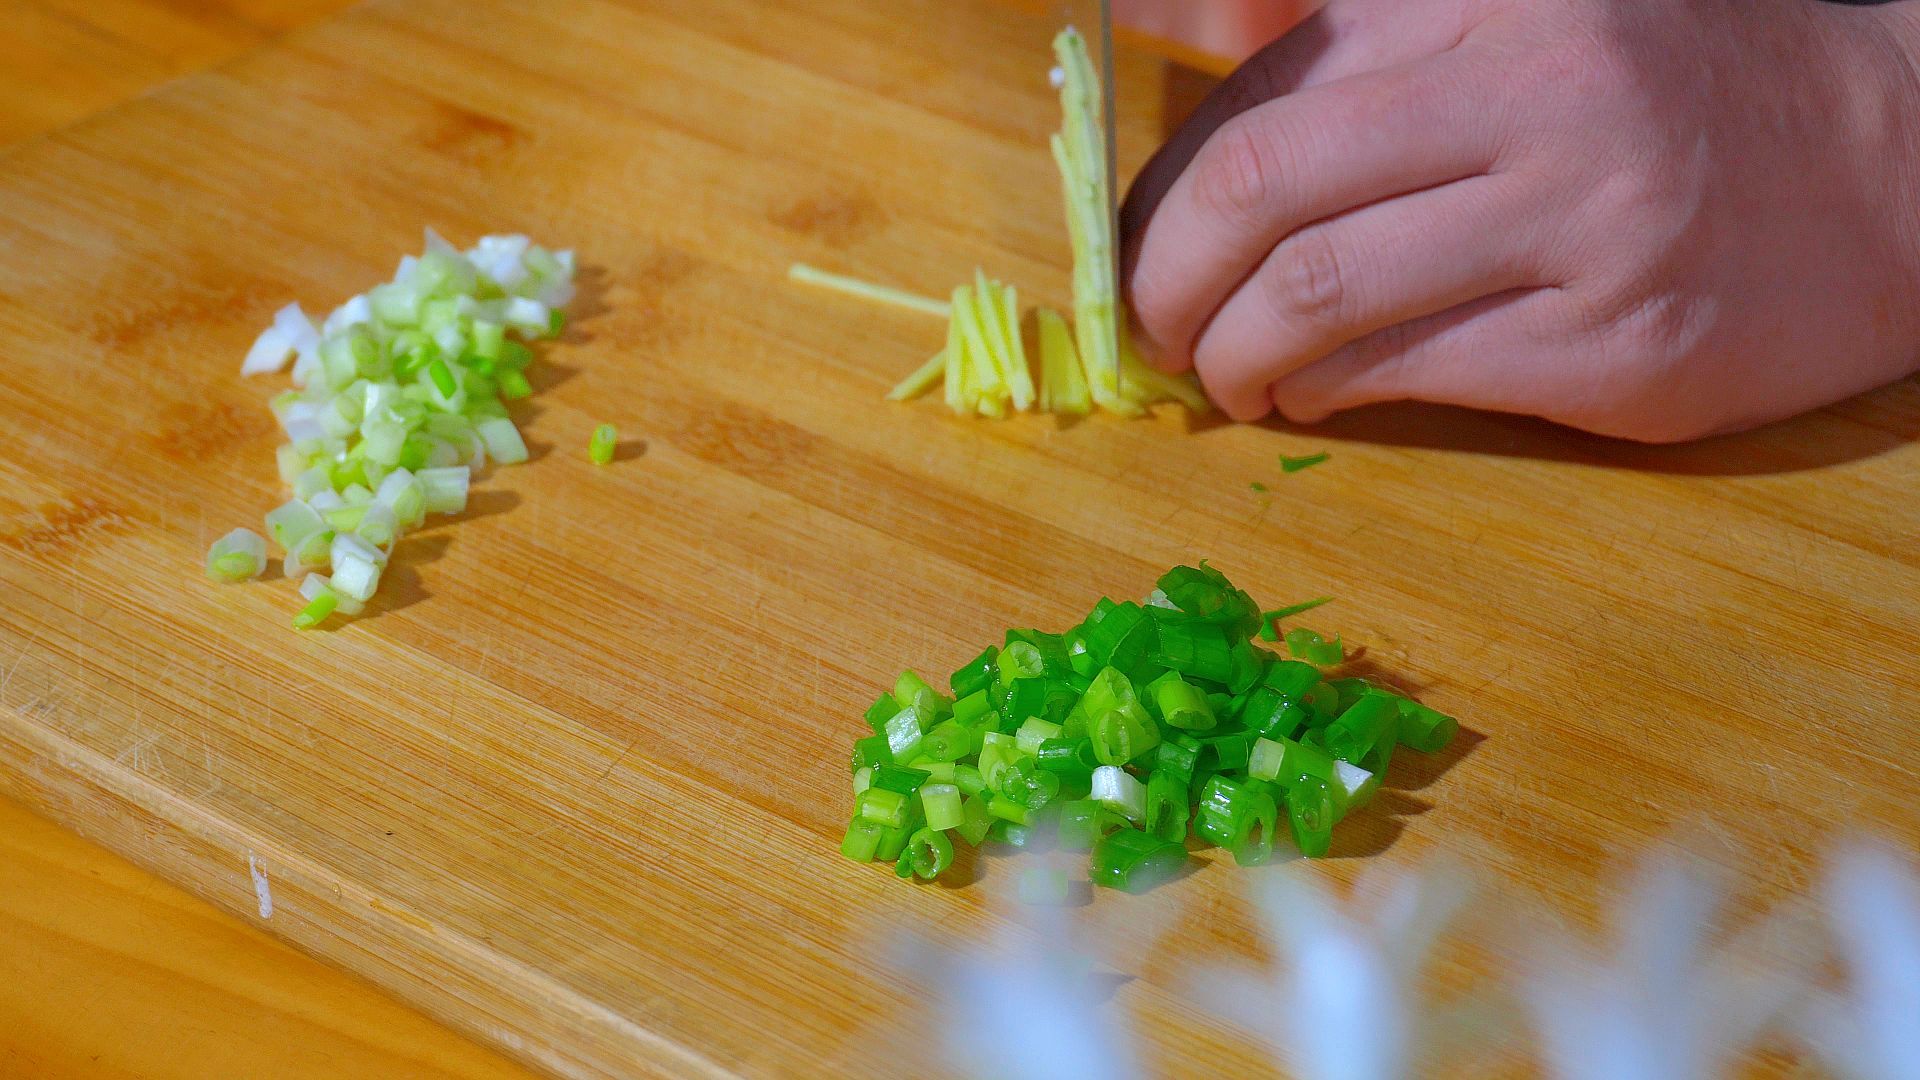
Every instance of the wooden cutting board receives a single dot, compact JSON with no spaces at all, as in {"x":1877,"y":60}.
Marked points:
{"x":576,"y":786}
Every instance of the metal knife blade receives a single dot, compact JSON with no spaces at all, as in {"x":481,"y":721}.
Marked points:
{"x":1106,"y":103}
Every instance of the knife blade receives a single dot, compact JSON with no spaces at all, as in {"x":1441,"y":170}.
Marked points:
{"x":1107,"y":109}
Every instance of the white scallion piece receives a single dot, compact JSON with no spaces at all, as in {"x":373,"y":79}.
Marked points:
{"x":441,"y":454}
{"x":524,"y":313}
{"x":401,"y":493}
{"x":379,"y":525}
{"x":291,"y":522}
{"x":1353,"y":779}
{"x":348,"y":545}
{"x":310,"y":553}
{"x":1264,"y":759}
{"x":352,"y":313}
{"x":315,"y":586}
{"x":445,"y":490}
{"x":401,"y":393}
{"x":1120,"y":792}
{"x":310,"y":484}
{"x":290,"y":462}
{"x":503,"y":441}
{"x":237,"y":556}
{"x":354,"y":576}
{"x":292,"y":332}
{"x":306,"y":558}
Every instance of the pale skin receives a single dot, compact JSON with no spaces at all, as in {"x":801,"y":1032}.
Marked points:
{"x":1651,"y":219}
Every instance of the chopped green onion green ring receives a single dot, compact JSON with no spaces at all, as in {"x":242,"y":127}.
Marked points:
{"x":862,"y":840}
{"x":940,"y":806}
{"x":1134,"y":861}
{"x":930,"y":852}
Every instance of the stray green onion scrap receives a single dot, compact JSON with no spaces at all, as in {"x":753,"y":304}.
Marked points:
{"x":600,"y":448}
{"x":883,"y":294}
{"x":399,"y":396}
{"x":1308,"y":645}
{"x":1295,"y":464}
{"x":1270,"y":620}
{"x":1143,"y":725}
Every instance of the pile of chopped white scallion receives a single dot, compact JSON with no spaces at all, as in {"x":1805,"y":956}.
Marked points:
{"x":399,"y":396}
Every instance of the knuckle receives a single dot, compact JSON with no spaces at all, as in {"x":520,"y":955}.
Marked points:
{"x":1622,"y":307}
{"x":1237,"y":175}
{"x":1652,"y":347}
{"x":1657,"y":331}
{"x":1308,"y":281}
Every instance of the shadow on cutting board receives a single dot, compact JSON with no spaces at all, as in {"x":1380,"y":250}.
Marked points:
{"x":1864,"y":427}
{"x":1372,"y":829}
{"x":400,"y":583}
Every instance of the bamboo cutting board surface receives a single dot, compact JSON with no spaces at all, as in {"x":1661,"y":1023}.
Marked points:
{"x":576,"y":787}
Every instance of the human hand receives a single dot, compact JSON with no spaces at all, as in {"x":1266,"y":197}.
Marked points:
{"x":1657,"y":219}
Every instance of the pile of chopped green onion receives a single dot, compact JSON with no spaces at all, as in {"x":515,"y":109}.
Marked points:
{"x":984,"y":367}
{"x":1143,"y":725}
{"x":400,"y":395}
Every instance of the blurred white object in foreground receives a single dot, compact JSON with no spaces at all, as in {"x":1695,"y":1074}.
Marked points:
{"x":1340,"y":1004}
{"x":1871,"y":1029}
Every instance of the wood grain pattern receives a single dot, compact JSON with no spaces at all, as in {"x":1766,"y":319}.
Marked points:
{"x":575,"y":786}
{"x":106,"y":971}
{"x":64,"y":60}
{"x":109,"y":971}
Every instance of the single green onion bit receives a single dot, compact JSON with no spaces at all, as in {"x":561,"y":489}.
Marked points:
{"x":600,"y":448}
{"x":398,"y":400}
{"x":1143,"y":726}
